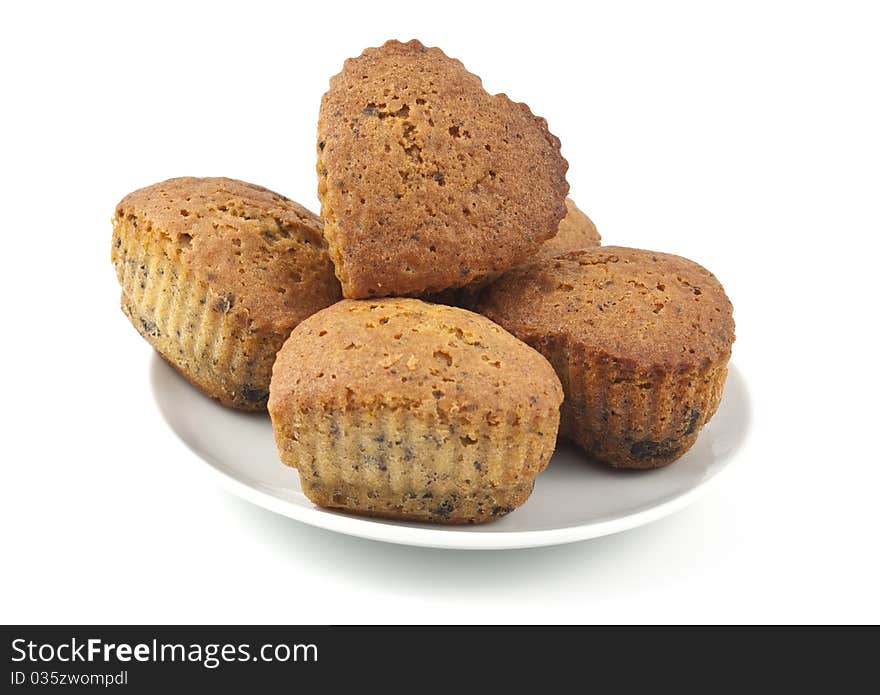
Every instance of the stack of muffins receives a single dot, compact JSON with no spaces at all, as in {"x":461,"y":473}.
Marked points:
{"x":387,"y":395}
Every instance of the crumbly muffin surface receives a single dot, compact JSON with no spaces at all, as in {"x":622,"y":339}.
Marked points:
{"x":640,"y":341}
{"x":266,"y":252}
{"x":214,"y":275}
{"x":441,"y":361}
{"x":639,"y":307}
{"x":576,"y":231}
{"x":427,"y":181}
{"x":406,"y":409}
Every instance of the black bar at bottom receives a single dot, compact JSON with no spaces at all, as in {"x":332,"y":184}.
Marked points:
{"x":409,"y":659}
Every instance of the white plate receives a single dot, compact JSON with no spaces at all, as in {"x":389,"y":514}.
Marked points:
{"x":574,"y":499}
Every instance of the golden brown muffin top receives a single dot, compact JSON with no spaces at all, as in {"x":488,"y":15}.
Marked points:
{"x":263,"y":255}
{"x":427,"y":181}
{"x":576,"y":231}
{"x":442,"y":363}
{"x":640,"y":308}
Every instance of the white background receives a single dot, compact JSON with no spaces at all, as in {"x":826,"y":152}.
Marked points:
{"x":745,"y":137}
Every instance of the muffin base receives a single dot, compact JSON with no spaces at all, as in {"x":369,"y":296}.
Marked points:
{"x":471,"y":509}
{"x":194,"y":328}
{"x":388,"y":463}
{"x":635,"y":420}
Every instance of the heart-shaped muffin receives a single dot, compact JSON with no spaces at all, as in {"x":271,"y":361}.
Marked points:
{"x":426,"y":180}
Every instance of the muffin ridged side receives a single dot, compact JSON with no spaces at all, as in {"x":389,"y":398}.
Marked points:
{"x":407,"y":469}
{"x":422,"y":426}
{"x":190,"y":325}
{"x":214,"y":274}
{"x":639,"y":383}
{"x":627,"y":418}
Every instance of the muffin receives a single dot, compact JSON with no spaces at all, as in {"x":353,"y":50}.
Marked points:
{"x":408,"y":410}
{"x":427,"y":181}
{"x":215,"y":273}
{"x":576,"y":231}
{"x":640,"y":341}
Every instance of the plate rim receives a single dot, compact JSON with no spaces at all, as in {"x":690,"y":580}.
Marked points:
{"x":451,"y":539}
{"x":446,"y":538}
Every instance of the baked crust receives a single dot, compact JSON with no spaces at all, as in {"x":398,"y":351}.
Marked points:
{"x":215,"y":273}
{"x":427,"y":181}
{"x":404,"y":409}
{"x":576,"y":231}
{"x":640,"y":341}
